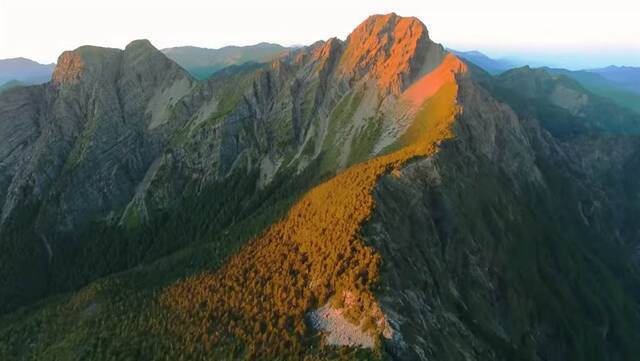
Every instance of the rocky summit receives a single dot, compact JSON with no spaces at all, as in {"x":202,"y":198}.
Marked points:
{"x":376,"y":198}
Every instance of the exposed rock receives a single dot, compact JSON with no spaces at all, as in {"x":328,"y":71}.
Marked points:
{"x":387,"y":48}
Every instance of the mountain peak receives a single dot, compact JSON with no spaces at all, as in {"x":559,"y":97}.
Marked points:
{"x":390,"y":20}
{"x":389,"y":47}
{"x":18,"y":61}
{"x":142,"y":51}
{"x":73,"y":64}
{"x":140,"y":44}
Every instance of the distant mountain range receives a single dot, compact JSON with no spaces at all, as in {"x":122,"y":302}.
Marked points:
{"x":203,"y":62}
{"x":493,"y":66}
{"x":618,"y":83}
{"x":628,"y":76}
{"x":617,"y":89}
{"x":24,"y":71}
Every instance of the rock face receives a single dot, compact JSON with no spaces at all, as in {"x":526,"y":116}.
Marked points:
{"x":73,"y":150}
{"x":93,"y":132}
{"x":516,"y":240}
{"x":391,"y":49}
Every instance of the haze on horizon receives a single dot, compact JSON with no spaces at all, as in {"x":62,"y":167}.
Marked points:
{"x":573,"y":34}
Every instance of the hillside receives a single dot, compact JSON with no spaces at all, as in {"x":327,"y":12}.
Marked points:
{"x":598,"y":84}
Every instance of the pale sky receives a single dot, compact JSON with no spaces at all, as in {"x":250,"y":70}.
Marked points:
{"x":584,"y":32}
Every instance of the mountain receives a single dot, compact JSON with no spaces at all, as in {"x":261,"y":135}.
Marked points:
{"x":25,"y":71}
{"x":544,"y":92}
{"x":372,"y":198}
{"x":626,"y":76}
{"x":598,"y":84}
{"x":202,"y":62}
{"x":493,"y":66}
{"x":615,"y":83}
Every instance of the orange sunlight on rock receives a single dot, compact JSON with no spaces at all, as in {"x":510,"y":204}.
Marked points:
{"x":387,"y":56}
{"x":70,"y":66}
{"x":429,"y":84}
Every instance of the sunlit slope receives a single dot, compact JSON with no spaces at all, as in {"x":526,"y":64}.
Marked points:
{"x":261,"y":296}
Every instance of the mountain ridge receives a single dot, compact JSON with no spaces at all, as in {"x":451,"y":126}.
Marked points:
{"x":628,"y":76}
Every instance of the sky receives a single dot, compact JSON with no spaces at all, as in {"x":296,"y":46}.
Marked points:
{"x":568,"y":33}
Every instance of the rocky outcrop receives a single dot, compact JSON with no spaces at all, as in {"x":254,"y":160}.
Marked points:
{"x":390,"y":49}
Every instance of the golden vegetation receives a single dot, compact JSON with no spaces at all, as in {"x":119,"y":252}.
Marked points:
{"x":262,"y":294}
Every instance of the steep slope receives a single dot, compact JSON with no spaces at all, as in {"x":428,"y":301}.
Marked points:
{"x":74,"y":149}
{"x":499,"y":247}
{"x":311,"y":107}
